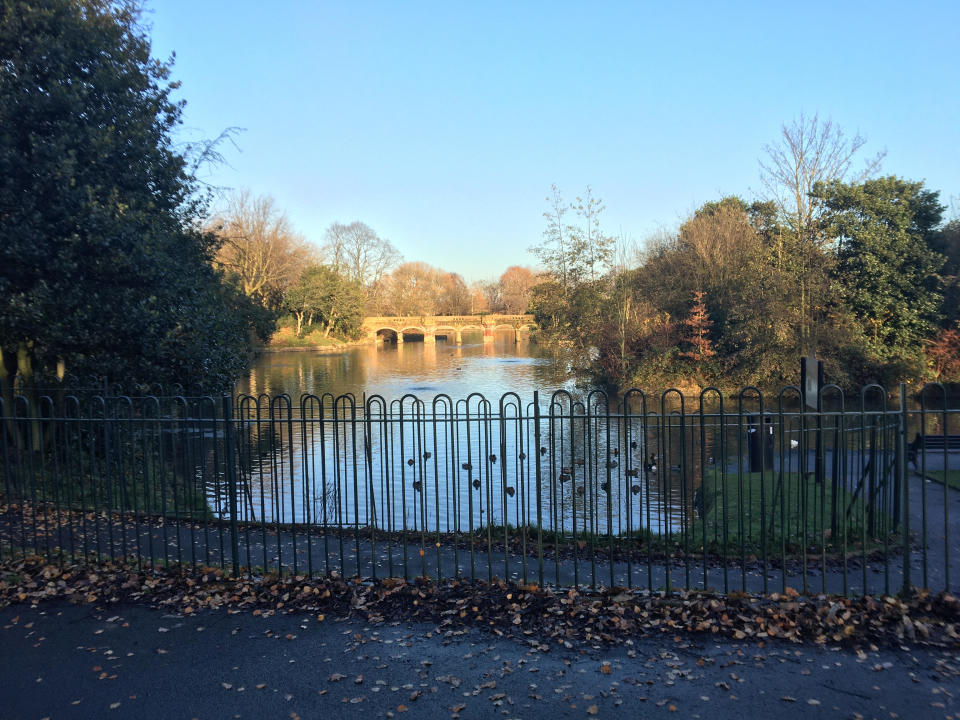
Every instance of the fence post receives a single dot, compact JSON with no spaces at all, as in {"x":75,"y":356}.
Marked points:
{"x":539,"y":476}
{"x":231,"y":481}
{"x":902,"y":470}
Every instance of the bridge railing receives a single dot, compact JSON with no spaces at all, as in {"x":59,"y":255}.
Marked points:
{"x":446,"y":319}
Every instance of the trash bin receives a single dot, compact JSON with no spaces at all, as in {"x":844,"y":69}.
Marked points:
{"x":760,"y":445}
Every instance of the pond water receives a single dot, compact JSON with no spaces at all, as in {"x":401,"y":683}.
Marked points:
{"x":434,"y":469}
{"x":423,"y":369}
{"x":430,"y":454}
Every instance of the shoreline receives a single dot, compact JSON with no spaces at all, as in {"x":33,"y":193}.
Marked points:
{"x":322,"y":349}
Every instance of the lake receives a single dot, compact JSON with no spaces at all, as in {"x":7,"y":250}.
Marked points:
{"x":423,"y":369}
{"x":433,"y":470}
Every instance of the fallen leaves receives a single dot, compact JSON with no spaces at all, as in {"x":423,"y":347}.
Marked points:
{"x":540,"y":616}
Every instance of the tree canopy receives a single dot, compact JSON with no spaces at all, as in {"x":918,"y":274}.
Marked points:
{"x":886,"y":269}
{"x":104,"y":269}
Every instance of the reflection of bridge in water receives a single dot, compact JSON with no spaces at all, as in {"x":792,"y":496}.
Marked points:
{"x":449,"y":326}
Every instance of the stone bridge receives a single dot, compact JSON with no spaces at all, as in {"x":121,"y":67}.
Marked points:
{"x":449,"y":326}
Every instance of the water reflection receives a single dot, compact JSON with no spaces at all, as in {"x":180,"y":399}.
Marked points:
{"x":315,"y":471}
{"x":452,"y":466}
{"x":424,"y":369}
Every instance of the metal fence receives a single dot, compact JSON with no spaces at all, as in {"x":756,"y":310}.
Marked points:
{"x":745,"y":492}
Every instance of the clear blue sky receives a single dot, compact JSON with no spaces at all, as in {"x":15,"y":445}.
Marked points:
{"x":443,"y":125}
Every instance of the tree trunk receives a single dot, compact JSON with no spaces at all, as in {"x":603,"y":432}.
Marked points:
{"x":299,"y":316}
{"x":25,"y":367}
{"x":330,"y":322}
{"x":8,"y":372}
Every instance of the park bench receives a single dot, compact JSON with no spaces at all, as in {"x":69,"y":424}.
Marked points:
{"x":932,"y":444}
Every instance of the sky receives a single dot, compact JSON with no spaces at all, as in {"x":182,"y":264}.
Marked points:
{"x":443,"y":125}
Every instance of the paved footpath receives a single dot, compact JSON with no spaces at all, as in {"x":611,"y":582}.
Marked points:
{"x":124,"y":661}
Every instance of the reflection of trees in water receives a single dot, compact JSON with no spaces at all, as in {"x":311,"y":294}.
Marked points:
{"x":459,"y":466}
{"x":595,"y":468}
{"x":612,"y":468}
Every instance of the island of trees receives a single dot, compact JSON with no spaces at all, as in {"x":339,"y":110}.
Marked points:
{"x":857,"y":268}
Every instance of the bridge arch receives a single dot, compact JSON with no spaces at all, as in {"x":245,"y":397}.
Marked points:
{"x":385,"y":333}
{"x":394,"y":327}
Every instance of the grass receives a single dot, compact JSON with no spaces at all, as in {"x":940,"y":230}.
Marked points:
{"x":951,"y":477}
{"x":166,"y":495}
{"x":784,"y":510}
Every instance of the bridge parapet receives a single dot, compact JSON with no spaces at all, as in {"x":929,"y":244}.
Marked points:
{"x":428,"y":325}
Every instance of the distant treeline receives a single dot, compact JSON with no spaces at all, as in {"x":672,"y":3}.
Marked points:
{"x":353,"y":273}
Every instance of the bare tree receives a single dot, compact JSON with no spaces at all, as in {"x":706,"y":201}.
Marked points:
{"x":454,"y":295}
{"x":515,"y":284}
{"x":357,"y":252}
{"x":554,"y":250}
{"x":626,"y":256}
{"x":810,"y":151}
{"x":259,"y":247}
{"x":577,"y":252}
{"x":413,"y":289}
{"x":592,"y":250}
{"x":479,"y":302}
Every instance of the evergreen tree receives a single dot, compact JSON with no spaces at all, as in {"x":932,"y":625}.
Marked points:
{"x":886,"y":271}
{"x":104,"y":269}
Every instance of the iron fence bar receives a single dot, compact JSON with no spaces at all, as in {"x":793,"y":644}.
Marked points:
{"x":356,"y":481}
{"x":539,"y":475}
{"x":70,"y":477}
{"x":231,"y":482}
{"x":902,"y":473}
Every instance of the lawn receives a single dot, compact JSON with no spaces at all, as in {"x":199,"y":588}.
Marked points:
{"x":788,"y":512}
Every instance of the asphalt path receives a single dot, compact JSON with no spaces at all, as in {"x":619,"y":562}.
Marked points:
{"x":131,"y":661}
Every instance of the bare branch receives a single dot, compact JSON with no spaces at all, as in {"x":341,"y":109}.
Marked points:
{"x":810,"y":151}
